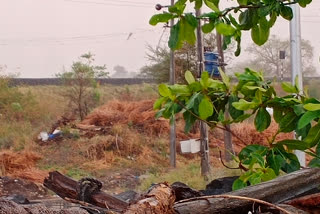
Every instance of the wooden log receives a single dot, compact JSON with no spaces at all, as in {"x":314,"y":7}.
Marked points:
{"x":309,"y":203}
{"x":159,"y":200}
{"x":10,"y":207}
{"x":182,"y":191}
{"x":66,"y":187}
{"x":275,"y":191}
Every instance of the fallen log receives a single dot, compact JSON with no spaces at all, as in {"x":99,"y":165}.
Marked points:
{"x":159,"y":200}
{"x":275,"y":191}
{"x":66,"y":187}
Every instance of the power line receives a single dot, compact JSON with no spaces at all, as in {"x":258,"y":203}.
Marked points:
{"x":107,"y":4}
{"x":72,"y":39}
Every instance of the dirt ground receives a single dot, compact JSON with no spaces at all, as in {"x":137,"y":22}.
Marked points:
{"x":14,"y":186}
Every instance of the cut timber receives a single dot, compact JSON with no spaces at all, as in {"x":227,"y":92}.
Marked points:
{"x":66,"y":187}
{"x":276,"y":191}
{"x":182,"y":191}
{"x":309,"y":203}
{"x":159,"y":200}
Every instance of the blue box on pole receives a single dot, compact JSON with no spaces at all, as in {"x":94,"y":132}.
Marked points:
{"x":211,"y":63}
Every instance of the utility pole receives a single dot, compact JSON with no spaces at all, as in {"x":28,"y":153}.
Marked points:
{"x":172,"y":126}
{"x":296,"y":69}
{"x":227,"y":135}
{"x":204,"y":140}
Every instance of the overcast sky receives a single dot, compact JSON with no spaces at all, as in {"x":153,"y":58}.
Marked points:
{"x":39,"y":37}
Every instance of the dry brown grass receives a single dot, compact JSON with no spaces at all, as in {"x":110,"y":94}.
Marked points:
{"x":21,"y":165}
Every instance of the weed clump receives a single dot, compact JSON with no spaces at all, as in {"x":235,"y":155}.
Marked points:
{"x":21,"y":165}
{"x":139,"y":115}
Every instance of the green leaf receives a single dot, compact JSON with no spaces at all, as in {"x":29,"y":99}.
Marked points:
{"x":312,"y":107}
{"x":313,"y":136}
{"x":268,"y":174}
{"x":191,"y":20}
{"x":189,"y":77}
{"x":288,"y":87}
{"x":242,"y":118}
{"x":198,"y":4}
{"x":187,"y":31}
{"x":189,"y":121}
{"x":286,"y":12}
{"x":164,"y":17}
{"x":212,"y":5}
{"x":216,"y":84}
{"x":248,"y":18}
{"x":208,"y":27}
{"x":195,"y":87}
{"x":318,"y":150}
{"x":256,"y":87}
{"x":178,"y":7}
{"x":225,"y":78}
{"x":260,"y":32}
{"x":190,"y":103}
{"x":204,"y":81}
{"x":314,"y":163}
{"x":277,"y":114}
{"x":234,"y":113}
{"x":245,"y":156}
{"x":238,"y":184}
{"x":158,"y":103}
{"x":225,"y":29}
{"x":164,"y":90}
{"x":221,"y":116}
{"x":303,"y":132}
{"x":174,"y":41}
{"x":274,"y":161}
{"x":307,"y":118}
{"x":242,"y":2}
{"x":292,"y":163}
{"x":288,"y":122}
{"x":298,"y":109}
{"x":294,"y":144}
{"x":180,"y":90}
{"x":159,"y":113}
{"x":245,"y":105}
{"x":255,"y":178}
{"x":304,"y":3}
{"x":205,"y":108}
{"x":262,"y":120}
{"x":273,"y":18}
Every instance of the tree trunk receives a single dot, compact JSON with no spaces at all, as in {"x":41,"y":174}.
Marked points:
{"x":275,"y":191}
{"x":159,"y":200}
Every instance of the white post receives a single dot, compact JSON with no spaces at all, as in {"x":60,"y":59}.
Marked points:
{"x":296,"y":68}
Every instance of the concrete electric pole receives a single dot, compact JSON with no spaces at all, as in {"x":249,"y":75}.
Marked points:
{"x":296,"y":68}
{"x":204,"y":140}
{"x":172,"y":126}
{"x":227,"y":135}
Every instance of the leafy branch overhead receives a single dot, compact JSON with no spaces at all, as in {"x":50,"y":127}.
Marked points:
{"x":257,"y":16}
{"x":208,"y":99}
